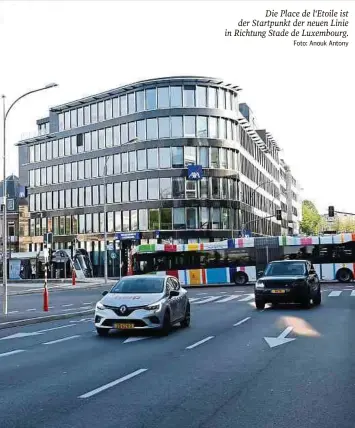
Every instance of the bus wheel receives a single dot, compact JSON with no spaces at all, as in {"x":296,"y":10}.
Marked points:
{"x":240,"y":278}
{"x":344,"y":275}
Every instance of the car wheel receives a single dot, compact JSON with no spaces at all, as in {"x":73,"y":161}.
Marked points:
{"x":240,"y":278}
{"x":186,"y":321}
{"x":166,"y":324}
{"x":102,"y":331}
{"x":344,"y":275}
{"x":260,"y":304}
{"x":318,"y":298}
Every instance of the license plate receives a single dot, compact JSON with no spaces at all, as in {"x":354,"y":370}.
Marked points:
{"x":121,"y":326}
{"x":278,"y":291}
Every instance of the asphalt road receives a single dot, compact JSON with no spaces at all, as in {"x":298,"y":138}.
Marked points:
{"x":221,"y":372}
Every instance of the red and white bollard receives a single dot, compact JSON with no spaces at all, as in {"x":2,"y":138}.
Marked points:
{"x":45,"y":299}
{"x":73,"y":277}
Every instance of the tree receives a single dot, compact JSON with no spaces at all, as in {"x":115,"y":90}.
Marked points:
{"x":311,"y":223}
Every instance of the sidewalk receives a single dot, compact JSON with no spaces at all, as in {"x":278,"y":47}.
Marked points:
{"x":37,"y":287}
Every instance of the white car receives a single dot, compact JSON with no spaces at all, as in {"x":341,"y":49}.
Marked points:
{"x":143,"y":302}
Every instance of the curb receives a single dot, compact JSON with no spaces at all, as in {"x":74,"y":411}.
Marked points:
{"x":37,"y":320}
{"x":55,"y":288}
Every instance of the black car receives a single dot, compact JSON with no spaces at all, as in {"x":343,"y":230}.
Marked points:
{"x":288,"y":281}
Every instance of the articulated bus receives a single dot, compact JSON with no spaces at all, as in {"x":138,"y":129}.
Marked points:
{"x":239,"y":260}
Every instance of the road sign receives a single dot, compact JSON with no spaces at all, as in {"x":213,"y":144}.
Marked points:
{"x":113,"y":256}
{"x":128,"y":235}
{"x":110,"y":247}
{"x":194,"y":172}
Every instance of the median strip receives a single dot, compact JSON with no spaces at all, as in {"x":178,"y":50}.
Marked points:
{"x":114,"y":383}
{"x":200,"y":342}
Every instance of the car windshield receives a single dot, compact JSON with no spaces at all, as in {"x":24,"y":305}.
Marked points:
{"x":139,"y":285}
{"x":285,"y":269}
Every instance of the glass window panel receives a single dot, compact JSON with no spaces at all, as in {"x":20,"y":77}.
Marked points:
{"x":74,"y":118}
{"x":117,"y":164}
{"x":223,"y":158}
{"x":108,"y":109}
{"x":62,"y":225}
{"x":87,"y":141}
{"x":164,"y":127}
{"x":116,"y":136}
{"x":125,"y":221}
{"x":101,"y":138}
{"x":166,"y":219}
{"x":94,"y":167}
{"x":176,"y":126}
{"x":95,"y":195}
{"x":212,"y":98}
{"x":43,"y":201}
{"x":109,"y":194}
{"x":152,"y":155}
{"x":80,"y":116}
{"x":55,"y":200}
{"x":204,"y":188}
{"x":67,"y":172}
{"x":204,"y":157}
{"x":189,"y":96}
{"x":49,"y":174}
{"x":229,"y":130}
{"x":140,"y":100}
{"x":191,"y":189}
{"x":75,"y":197}
{"x":88,"y":219}
{"x":109,"y":165}
{"x":214,"y":157}
{"x":215,"y":188}
{"x":189,"y":126}
{"x":125,"y":191}
{"x":95,"y":222}
{"x":38,"y":176}
{"x":102,"y":222}
{"x":61,"y":147}
{"x":143,"y":219}
{"x":133,"y":191}
{"x":131,"y":103}
{"x":102,"y":161}
{"x":191,"y":218}
{"x":88,"y":168}
{"x":38,"y":202}
{"x":37,"y":153}
{"x":141,"y":130}
{"x":179,"y":218}
{"x":132,"y":161}
{"x":87,"y":115}
{"x":74,"y":148}
{"x":224,"y":188}
{"x":81,"y":197}
{"x":163,"y":97}
{"x":110,"y":227}
{"x":75,"y":225}
{"x":189,"y":156}
{"x":228,"y":100}
{"x":132,"y":131}
{"x":43,"y":177}
{"x":141,"y":160}
{"x":55,"y":149}
{"x":61,"y":173}
{"x":94,"y":140}
{"x":212,"y":131}
{"x":49,"y":150}
{"x":178,"y":187}
{"x":61,"y":121}
{"x":115,"y":107}
{"x":153,"y":188}
{"x":68,"y":198}
{"x":165,"y":188}
{"x":154,"y":219}
{"x":177,"y":156}
{"x":142,"y":190}
{"x":61,"y":199}
{"x":55,"y":174}
{"x":222,"y":128}
{"x":81,"y":170}
{"x":43,"y":151}
{"x":164,"y":157}
{"x":32,"y":153}
{"x":67,"y":120}
{"x":221,"y":99}
{"x":201,"y":96}
{"x":176,"y":96}
{"x":151,"y":99}
{"x":49,"y":201}
{"x":67,"y":146}
{"x":124,"y":133}
{"x":123,"y":105}
{"x":118,"y":221}
{"x":93,"y":108}
{"x":32,"y":177}
{"x":101,"y":194}
{"x":82,"y":223}
{"x":124,"y":160}
{"x":202,"y":126}
{"x":108,"y":137}
{"x":152,"y":129}
{"x":216,"y":218}
{"x":117,"y":192}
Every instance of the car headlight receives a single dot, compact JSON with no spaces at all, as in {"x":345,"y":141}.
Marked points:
{"x":154,"y":307}
{"x":259,"y":285}
{"x":99,"y":305}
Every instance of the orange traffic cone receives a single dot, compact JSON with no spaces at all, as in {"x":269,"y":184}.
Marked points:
{"x":45,"y":299}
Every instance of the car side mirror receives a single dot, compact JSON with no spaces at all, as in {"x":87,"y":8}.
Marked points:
{"x":105,"y":292}
{"x":312,"y":272}
{"x":173,"y":293}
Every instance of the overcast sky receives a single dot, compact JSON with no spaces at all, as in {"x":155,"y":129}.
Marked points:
{"x":303,"y":96}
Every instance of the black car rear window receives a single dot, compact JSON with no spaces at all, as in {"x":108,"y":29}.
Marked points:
{"x":285,"y":269}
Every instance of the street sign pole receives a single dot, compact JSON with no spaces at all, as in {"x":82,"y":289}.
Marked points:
{"x":45,"y":291}
{"x":120,"y":259}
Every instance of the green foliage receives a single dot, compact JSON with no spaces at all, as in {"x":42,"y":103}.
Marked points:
{"x":311,"y":220}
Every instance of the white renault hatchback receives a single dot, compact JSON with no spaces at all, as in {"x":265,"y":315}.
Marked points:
{"x":143,"y":302}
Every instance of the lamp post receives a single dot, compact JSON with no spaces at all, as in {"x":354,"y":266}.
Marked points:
{"x":5,"y":115}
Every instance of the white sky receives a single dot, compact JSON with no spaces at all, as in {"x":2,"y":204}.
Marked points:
{"x":303,"y":96}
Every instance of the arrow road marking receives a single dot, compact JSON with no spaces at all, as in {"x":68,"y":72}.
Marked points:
{"x":281,"y":339}
{"x":135,"y":339}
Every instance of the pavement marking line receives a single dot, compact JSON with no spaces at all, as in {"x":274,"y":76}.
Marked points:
{"x":247,"y":298}
{"x":193,"y":299}
{"x":70,"y":304}
{"x":200,"y":342}
{"x":51,"y":307}
{"x":334,"y":294}
{"x":114,"y":383}
{"x":89,"y":303}
{"x":17,"y":351}
{"x":56,"y":328}
{"x":200,"y":294}
{"x":13,"y":312}
{"x":61,"y":340}
{"x":227,"y":299}
{"x":241,"y":321}
{"x":352,"y":293}
{"x":30,"y":310}
{"x":207,"y":300}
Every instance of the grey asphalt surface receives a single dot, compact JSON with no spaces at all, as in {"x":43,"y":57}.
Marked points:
{"x":234,"y":379}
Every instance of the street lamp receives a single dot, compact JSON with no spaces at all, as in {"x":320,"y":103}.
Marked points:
{"x":5,"y":115}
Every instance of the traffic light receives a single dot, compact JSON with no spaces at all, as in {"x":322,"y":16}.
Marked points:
{"x":278,"y":215}
{"x":331,"y":211}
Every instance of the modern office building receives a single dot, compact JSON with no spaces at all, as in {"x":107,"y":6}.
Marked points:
{"x":133,"y":145}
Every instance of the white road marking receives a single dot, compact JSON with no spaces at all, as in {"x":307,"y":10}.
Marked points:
{"x":114,"y":383}
{"x":135,"y":339}
{"x":30,"y":310}
{"x":13,"y":312}
{"x":241,"y":321}
{"x":55,"y":328}
{"x":227,"y":299}
{"x":17,"y":351}
{"x":69,"y":309}
{"x":61,"y":340}
{"x":352,"y":293}
{"x":83,"y":307}
{"x":90,"y":303}
{"x":200,"y":294}
{"x":193,"y":299}
{"x":200,"y":342}
{"x":51,"y":307}
{"x":207,"y":300}
{"x":70,"y":304}
{"x":335,"y":294}
{"x":247,"y":298}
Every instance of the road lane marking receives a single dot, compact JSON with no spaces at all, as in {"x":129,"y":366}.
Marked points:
{"x":200,"y":294}
{"x":13,"y":312}
{"x":241,"y":321}
{"x":17,"y":351}
{"x":70,"y":304}
{"x":90,"y":303}
{"x":335,"y":294}
{"x":207,"y":300}
{"x":193,"y":299}
{"x":352,"y":293}
{"x":51,"y":307}
{"x":55,"y":328}
{"x":83,"y":307}
{"x":69,"y":309}
{"x":200,"y":342}
{"x":61,"y":340}
{"x":30,"y":310}
{"x":247,"y":298}
{"x":227,"y":299}
{"x":114,"y":383}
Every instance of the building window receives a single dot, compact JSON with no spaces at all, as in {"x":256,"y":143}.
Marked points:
{"x":166,"y":219}
{"x":141,"y":130}
{"x":189,"y":126}
{"x":95,"y":167}
{"x":125,"y":221}
{"x":143,"y":219}
{"x":204,"y":218}
{"x":153,"y":188}
{"x":176,"y":96}
{"x":124,"y":133}
{"x":124,"y":159}
{"x":118,"y":221}
{"x":95,"y":195}
{"x":132,"y":161}
{"x":68,"y":198}
{"x":68,"y":172}
{"x":151,"y":99}
{"x":81,"y":197}
{"x":132,"y":131}
{"x":202,"y":126}
{"x":110,"y":227}
{"x":223,"y":158}
{"x":204,"y":188}
{"x":94,"y":140}
{"x":203,"y":160}
{"x":164,"y":127}
{"x":67,"y":120}
{"x":212,"y":98}
{"x":142,"y":190}
{"x":109,"y":165}
{"x":117,"y":163}
{"x":61,"y":225}
{"x":165,"y":188}
{"x":191,"y":218}
{"x":61,"y":147}
{"x":134,"y":220}
{"x":125,"y":191}
{"x":102,"y":143}
{"x":61,"y":174}
{"x":75,"y":225}
{"x":189,"y":96}
{"x":95,"y":222}
{"x":140,"y":101}
{"x":80,"y":116}
{"x":131,"y":103}
{"x":123,"y":105}
{"x":152,"y":155}
{"x":108,"y":109}
{"x":189,"y":156}
{"x":74,"y":118}
{"x":154,"y":219}
{"x":49,"y":201}
{"x":141,"y":160}
{"x":115,"y":107}
{"x":116,"y":136}
{"x":178,"y":188}
{"x":221,"y":99}
{"x":191,"y":189}
{"x":179,"y":218}
{"x":93,"y":113}
{"x":88,"y":218}
{"x":176,"y":127}
{"x":87,"y":115}
{"x":201,"y":100}
{"x":152,"y":129}
{"x":109,"y":194}
{"x":164,"y":157}
{"x":61,"y":122}
{"x":117,"y":192}
{"x":215,"y":188}
{"x":216,"y":218}
{"x":214,"y":157}
{"x":133,"y":191}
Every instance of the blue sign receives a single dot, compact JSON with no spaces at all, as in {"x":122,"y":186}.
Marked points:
{"x":247,"y":233}
{"x":157,"y":234}
{"x":128,"y":235}
{"x":194,"y":172}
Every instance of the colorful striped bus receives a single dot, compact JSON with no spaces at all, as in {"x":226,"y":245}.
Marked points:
{"x":239,"y":260}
